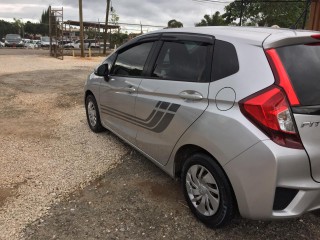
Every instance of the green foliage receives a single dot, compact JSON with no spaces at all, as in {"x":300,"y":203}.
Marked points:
{"x":45,"y":17}
{"x":214,"y":20}
{"x":118,"y":38}
{"x":175,"y":24}
{"x":6,"y":28}
{"x":283,"y":14}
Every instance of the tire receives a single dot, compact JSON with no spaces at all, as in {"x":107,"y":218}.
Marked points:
{"x":207,"y":191}
{"x":93,"y":116}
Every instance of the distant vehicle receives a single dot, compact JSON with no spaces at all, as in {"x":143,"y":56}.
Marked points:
{"x":31,"y":43}
{"x":1,"y":44}
{"x":45,"y":42}
{"x":88,"y":43}
{"x":13,"y":40}
{"x":64,"y":42}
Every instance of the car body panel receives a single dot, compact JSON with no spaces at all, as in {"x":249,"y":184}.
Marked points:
{"x":309,"y":130}
{"x":175,"y":114}
{"x":117,"y":105}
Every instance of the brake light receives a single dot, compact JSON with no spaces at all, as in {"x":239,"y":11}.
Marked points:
{"x":270,"y":111}
{"x":281,"y":76}
{"x":316,"y":36}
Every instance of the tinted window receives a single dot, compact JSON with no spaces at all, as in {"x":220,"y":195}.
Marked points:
{"x":132,"y":61}
{"x":225,"y":60}
{"x":183,"y":61}
{"x":302,"y":63}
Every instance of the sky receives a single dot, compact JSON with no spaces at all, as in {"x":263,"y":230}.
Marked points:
{"x":148,"y":12}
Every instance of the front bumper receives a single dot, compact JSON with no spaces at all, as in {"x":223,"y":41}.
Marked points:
{"x":256,"y":173}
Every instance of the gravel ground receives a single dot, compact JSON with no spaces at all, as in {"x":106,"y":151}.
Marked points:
{"x":137,"y":201}
{"x":46,"y":148}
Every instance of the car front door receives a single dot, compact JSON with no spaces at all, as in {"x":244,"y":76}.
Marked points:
{"x":118,"y":92}
{"x":175,"y":94}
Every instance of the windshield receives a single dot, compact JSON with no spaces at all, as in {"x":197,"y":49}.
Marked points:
{"x":13,"y":37}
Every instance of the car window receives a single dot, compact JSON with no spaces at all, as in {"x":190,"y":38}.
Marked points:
{"x":131,"y":62}
{"x":225,"y":60}
{"x":302,"y":63}
{"x":183,"y":61}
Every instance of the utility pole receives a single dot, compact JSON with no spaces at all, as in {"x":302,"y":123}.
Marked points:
{"x":81,"y":28}
{"x":106,"y":29}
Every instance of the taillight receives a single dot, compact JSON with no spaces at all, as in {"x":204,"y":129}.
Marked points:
{"x":316,"y":36}
{"x":270,"y":111}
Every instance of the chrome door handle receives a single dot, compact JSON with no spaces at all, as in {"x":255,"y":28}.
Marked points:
{"x":191,"y":95}
{"x":130,"y":89}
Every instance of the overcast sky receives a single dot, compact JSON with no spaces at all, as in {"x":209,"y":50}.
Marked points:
{"x":151,"y":12}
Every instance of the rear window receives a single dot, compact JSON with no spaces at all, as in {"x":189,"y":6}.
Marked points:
{"x":302,"y":63}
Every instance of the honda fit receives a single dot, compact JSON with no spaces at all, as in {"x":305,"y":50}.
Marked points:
{"x":233,"y":112}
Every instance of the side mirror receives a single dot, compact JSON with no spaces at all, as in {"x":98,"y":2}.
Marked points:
{"x":102,"y":70}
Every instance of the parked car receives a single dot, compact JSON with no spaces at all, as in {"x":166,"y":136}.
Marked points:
{"x":1,"y":44}
{"x":88,"y":43}
{"x":45,"y":42}
{"x":13,"y":40}
{"x":232,"y":111}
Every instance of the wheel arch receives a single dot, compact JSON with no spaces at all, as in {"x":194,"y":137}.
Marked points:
{"x":186,"y":151}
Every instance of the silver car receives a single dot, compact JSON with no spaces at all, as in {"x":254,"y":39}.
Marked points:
{"x":234,"y":112}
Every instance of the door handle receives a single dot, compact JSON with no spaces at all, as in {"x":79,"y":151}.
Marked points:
{"x":191,"y":95}
{"x":130,"y":89}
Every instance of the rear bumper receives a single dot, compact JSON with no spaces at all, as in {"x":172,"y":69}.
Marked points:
{"x":256,"y":173}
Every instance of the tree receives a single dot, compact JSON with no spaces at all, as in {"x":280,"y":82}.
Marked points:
{"x":263,"y":13}
{"x":175,"y":24}
{"x":214,"y":20}
{"x":116,"y":38}
{"x":18,"y":24}
{"x":45,"y":17}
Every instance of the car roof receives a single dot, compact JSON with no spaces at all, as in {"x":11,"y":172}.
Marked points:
{"x":249,"y":35}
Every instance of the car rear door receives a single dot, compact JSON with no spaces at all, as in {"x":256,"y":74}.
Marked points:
{"x":175,"y":94}
{"x":302,"y":63}
{"x":118,"y":92}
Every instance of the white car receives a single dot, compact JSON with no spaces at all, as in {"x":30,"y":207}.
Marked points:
{"x":88,"y":43}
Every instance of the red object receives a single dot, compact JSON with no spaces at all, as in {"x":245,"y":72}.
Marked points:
{"x":316,"y":36}
{"x":263,"y":110}
{"x":281,"y":76}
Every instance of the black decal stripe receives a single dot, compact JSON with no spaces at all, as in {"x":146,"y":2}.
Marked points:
{"x":103,"y":107}
{"x":164,"y":123}
{"x":164,"y":105}
{"x":158,"y":120}
{"x":129,"y":117}
{"x":174,"y":107}
{"x":152,"y":124}
{"x":161,"y":126}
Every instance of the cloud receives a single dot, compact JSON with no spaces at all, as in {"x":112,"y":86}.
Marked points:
{"x":148,"y":12}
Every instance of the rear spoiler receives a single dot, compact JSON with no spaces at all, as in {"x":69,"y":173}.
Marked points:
{"x":291,"y":38}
